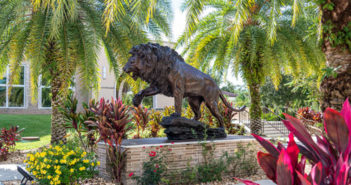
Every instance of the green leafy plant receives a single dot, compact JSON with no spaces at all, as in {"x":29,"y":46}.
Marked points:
{"x":155,"y":120}
{"x":155,"y":169}
{"x":79,"y":121}
{"x":241,"y":163}
{"x":61,"y":164}
{"x":112,"y":121}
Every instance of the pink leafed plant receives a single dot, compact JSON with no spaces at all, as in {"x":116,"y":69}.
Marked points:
{"x":329,"y":155}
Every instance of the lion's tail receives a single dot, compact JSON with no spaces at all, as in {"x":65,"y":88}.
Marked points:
{"x":226,"y":103}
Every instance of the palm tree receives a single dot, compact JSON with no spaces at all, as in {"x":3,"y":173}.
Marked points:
{"x":253,"y":38}
{"x":335,"y":29}
{"x":62,"y":38}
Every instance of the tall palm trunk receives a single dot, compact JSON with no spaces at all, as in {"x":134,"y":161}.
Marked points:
{"x":336,"y":90}
{"x":255,"y":109}
{"x":58,"y":131}
{"x":338,"y":55}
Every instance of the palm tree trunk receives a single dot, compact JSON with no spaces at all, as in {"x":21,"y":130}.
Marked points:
{"x":255,"y":109}
{"x":58,"y":130}
{"x":336,"y":90}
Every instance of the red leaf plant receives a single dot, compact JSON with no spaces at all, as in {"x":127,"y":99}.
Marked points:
{"x":8,"y":138}
{"x":141,"y":118}
{"x":112,"y":122}
{"x":329,"y":155}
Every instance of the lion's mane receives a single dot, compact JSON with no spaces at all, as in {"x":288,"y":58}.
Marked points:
{"x":162,"y":59}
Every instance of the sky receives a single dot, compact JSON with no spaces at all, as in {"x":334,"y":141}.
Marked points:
{"x":178,"y":27}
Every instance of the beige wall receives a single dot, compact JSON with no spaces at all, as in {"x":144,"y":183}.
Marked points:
{"x":161,"y":101}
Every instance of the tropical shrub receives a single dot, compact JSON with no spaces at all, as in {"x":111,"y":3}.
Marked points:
{"x":141,"y":119}
{"x":155,"y":120}
{"x":8,"y":138}
{"x":61,"y":164}
{"x":309,"y":116}
{"x":155,"y":169}
{"x":112,"y":121}
{"x":78,"y":122}
{"x":329,"y":155}
{"x":241,"y":163}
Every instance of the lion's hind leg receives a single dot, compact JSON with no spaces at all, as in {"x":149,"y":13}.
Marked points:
{"x":213,"y":107}
{"x":195,"y":104}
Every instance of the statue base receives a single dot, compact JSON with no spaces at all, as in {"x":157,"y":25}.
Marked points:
{"x":180,"y":128}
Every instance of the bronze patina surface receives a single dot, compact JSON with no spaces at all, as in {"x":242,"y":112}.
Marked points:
{"x":167,"y":73}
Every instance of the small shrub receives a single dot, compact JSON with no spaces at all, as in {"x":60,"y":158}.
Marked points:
{"x":141,"y":119}
{"x":61,"y":165}
{"x":241,"y":163}
{"x":309,"y":116}
{"x":155,"y":169}
{"x":155,"y":120}
{"x":79,"y":121}
{"x":112,"y":121}
{"x":8,"y":138}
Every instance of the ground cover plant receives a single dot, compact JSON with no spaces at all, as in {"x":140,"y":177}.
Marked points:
{"x":61,"y":164}
{"x":329,"y":155}
{"x":33,"y":125}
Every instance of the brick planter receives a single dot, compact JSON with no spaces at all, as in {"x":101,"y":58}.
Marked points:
{"x":182,"y":154}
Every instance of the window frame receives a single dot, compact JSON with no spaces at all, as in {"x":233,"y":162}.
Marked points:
{"x":40,"y":94}
{"x":7,"y":85}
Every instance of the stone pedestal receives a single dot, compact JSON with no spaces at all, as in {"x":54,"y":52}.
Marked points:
{"x":180,"y":128}
{"x":182,"y":153}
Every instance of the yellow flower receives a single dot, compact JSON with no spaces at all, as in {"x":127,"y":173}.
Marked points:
{"x":45,"y":160}
{"x":43,"y":154}
{"x":71,"y":170}
{"x":52,"y":183}
{"x":31,"y":158}
{"x":58,"y":172}
{"x":43,"y":172}
{"x":86,"y":161}
{"x":92,"y":164}
{"x":49,"y":177}
{"x":63,"y":161}
{"x":98,"y":163}
{"x":84,"y":154}
{"x":56,"y":161}
{"x":82,"y":168}
{"x":34,"y":173}
{"x":48,"y":166}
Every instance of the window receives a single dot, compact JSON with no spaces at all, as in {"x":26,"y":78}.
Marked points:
{"x":15,"y":98}
{"x":45,"y":93}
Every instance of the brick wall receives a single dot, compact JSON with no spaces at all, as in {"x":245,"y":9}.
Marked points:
{"x":182,"y":153}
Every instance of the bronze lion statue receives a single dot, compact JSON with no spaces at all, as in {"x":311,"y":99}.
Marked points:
{"x":167,"y":73}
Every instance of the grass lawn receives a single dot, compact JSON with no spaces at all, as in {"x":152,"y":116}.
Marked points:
{"x":35,"y":125}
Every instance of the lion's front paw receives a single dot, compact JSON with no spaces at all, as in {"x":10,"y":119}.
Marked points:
{"x":137,"y":100}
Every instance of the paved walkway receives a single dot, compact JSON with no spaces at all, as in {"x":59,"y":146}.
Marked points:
{"x":262,"y":182}
{"x":8,"y":172}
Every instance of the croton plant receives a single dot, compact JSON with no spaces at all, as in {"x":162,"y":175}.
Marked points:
{"x":329,"y":155}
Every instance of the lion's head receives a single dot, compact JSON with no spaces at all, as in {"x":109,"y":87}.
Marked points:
{"x":151,"y":62}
